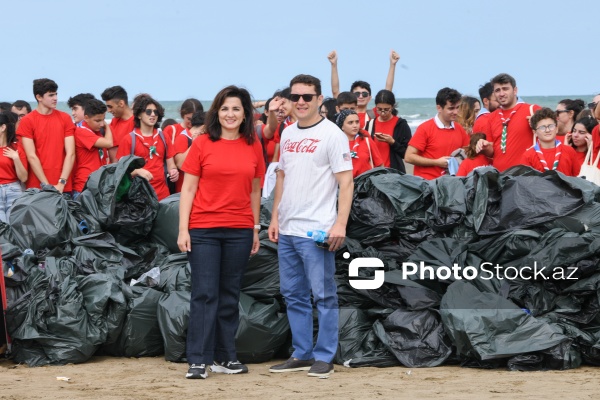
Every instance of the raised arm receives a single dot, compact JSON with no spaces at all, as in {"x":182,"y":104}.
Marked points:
{"x":389,"y":82}
{"x":335,"y":79}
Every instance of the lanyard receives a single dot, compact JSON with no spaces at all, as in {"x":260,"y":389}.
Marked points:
{"x":557,"y":144}
{"x":152,"y":149}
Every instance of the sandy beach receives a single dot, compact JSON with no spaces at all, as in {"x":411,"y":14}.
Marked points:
{"x":155,"y":378}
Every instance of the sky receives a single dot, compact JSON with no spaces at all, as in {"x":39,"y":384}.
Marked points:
{"x":175,"y":49}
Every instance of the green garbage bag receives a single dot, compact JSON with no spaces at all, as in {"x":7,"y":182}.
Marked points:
{"x":166,"y":225}
{"x":173,"y":317}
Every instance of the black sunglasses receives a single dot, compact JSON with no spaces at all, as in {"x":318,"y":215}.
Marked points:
{"x":591,"y":106}
{"x":149,"y":112}
{"x":306,"y":97}
{"x":364,"y":94}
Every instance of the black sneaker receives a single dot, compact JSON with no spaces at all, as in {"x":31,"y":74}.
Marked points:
{"x":229,"y":367}
{"x":292,"y":365}
{"x":197,"y":371}
{"x":321,"y":369}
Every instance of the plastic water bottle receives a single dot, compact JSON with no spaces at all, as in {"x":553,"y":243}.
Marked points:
{"x":319,"y":237}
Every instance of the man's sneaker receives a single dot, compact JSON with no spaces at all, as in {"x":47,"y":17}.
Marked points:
{"x":321,"y":369}
{"x":197,"y":371}
{"x":292,"y":365}
{"x":229,"y":367}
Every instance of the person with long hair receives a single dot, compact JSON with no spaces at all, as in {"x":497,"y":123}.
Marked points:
{"x":473,"y":159}
{"x":218,"y":228}
{"x":364,"y":153}
{"x":467,"y":112}
{"x":580,"y":137}
{"x":567,"y":111}
{"x":13,"y":164}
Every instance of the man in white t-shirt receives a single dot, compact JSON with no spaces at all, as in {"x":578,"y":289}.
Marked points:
{"x":315,"y":160}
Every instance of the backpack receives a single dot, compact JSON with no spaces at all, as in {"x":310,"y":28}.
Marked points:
{"x":170,"y":185}
{"x":259,"y":132}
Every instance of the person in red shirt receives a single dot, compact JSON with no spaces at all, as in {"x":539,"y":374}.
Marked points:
{"x":581,"y":137}
{"x":150,"y":144}
{"x":13,"y":164}
{"x":473,"y":160}
{"x":218,"y":228}
{"x":47,"y":138}
{"x":434,"y":140}
{"x":123,"y":121}
{"x":184,"y":142}
{"x":364,"y":153}
{"x":508,"y":130}
{"x":549,"y":153}
{"x":91,"y":147}
{"x":186,"y":111}
{"x":489,"y":105}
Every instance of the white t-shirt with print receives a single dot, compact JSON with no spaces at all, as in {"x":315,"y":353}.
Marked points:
{"x":309,"y":158}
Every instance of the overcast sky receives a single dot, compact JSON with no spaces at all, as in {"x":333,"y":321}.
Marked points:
{"x":174,"y":49}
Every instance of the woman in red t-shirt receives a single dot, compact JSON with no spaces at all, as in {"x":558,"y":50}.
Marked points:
{"x":218,"y":227}
{"x":473,"y":159}
{"x":581,"y":137}
{"x":365,"y":155}
{"x":13,"y":165}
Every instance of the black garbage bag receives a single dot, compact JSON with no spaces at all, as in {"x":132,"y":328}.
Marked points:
{"x":560,"y":357}
{"x":449,"y":207}
{"x":487,"y":326}
{"x":166,"y":225}
{"x":98,"y":250}
{"x":5,"y":233}
{"x":506,"y":248}
{"x":86,"y":223}
{"x":41,"y":219}
{"x":173,"y":317}
{"x":141,"y":258}
{"x":49,"y":324}
{"x":175,"y":274}
{"x":416,"y":338}
{"x":123,"y":206}
{"x":140,"y":335}
{"x":263,"y":329}
{"x":16,"y":267}
{"x":358,"y":346}
{"x":261,"y":279}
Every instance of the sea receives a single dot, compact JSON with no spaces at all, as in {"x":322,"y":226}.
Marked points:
{"x":415,"y":111}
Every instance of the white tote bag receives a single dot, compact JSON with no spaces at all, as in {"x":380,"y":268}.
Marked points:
{"x":589,"y":169}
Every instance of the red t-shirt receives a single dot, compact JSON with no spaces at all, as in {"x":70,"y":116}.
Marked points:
{"x":433,"y":142}
{"x":386,"y":127}
{"x":360,"y":161}
{"x":8,"y":173}
{"x":121,"y":128}
{"x":567,"y":164}
{"x":519,"y":137}
{"x":48,"y":133}
{"x":482,"y":124}
{"x":226,"y":169}
{"x":468,"y":165}
{"x":596,"y":141}
{"x":579,"y":159}
{"x":181,"y":146}
{"x":88,"y":158}
{"x":173,"y":131}
{"x":156,"y":164}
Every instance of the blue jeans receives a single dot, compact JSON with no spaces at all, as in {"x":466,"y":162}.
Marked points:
{"x":218,"y":261}
{"x":304,"y":267}
{"x":8,"y":194}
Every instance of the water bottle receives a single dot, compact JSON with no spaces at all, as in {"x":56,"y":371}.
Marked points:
{"x":319,"y":237}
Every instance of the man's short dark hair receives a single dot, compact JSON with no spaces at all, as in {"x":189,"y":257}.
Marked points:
{"x":94,"y":107}
{"x":447,"y":95}
{"x":307,"y":80}
{"x":115,"y":93}
{"x":347,"y":98}
{"x":486,"y":91}
{"x":541,"y":114}
{"x":19,"y":104}
{"x":361,"y":84}
{"x":285,"y":93}
{"x":198,"y":118}
{"x":43,"y":86}
{"x":502,"y":79}
{"x":5,"y":106}
{"x":80,"y":99}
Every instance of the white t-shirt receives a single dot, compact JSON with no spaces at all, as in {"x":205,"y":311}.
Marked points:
{"x":309,"y":158}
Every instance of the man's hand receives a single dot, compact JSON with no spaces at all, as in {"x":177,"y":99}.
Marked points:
{"x":394,"y":57}
{"x":274,"y":231}
{"x":482,"y":144}
{"x":332,"y":57}
{"x":60,"y":187}
{"x":442,"y":162}
{"x":337,"y":235}
{"x":143,"y":173}
{"x":173,"y":175}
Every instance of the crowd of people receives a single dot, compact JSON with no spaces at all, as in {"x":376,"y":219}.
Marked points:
{"x":306,"y":149}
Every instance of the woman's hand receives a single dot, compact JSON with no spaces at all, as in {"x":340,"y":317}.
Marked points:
{"x":184,"y":241}
{"x":142,"y":173}
{"x":10,"y":153}
{"x":255,"y":244}
{"x":173,"y":175}
{"x":383,"y":137}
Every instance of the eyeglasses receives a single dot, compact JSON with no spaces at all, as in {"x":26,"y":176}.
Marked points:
{"x":560,"y":111}
{"x":383,"y":110}
{"x":322,"y":112}
{"x":363,"y":94}
{"x":592,"y":106}
{"x":149,"y":112}
{"x":545,"y":128}
{"x":306,"y":97}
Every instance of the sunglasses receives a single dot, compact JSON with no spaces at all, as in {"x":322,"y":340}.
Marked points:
{"x":306,"y":97}
{"x":363,"y":94}
{"x":560,"y":111}
{"x":591,"y":106}
{"x":149,"y":112}
{"x":383,"y":110}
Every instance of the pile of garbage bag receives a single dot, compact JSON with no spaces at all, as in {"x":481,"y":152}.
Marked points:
{"x":493,"y":270}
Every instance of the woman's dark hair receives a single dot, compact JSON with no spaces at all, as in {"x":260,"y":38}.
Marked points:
{"x":190,"y":106}
{"x":9,"y":120}
{"x":263,"y":117}
{"x":167,"y":122}
{"x":386,"y":97}
{"x":330,"y":103}
{"x":470,"y":149}
{"x":213,"y":126}
{"x":576,"y":106}
{"x":588,"y":122}
{"x":140,"y":103}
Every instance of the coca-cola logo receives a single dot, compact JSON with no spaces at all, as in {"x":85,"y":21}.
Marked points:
{"x":303,"y":146}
